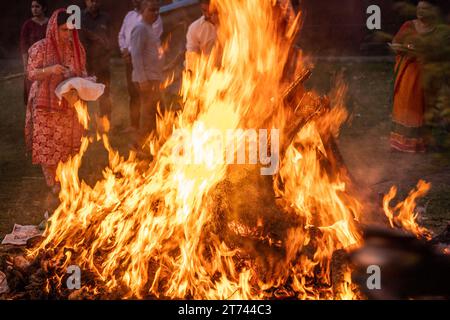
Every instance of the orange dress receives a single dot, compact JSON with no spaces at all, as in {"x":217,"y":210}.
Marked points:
{"x":409,"y":98}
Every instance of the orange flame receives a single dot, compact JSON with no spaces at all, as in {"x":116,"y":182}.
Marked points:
{"x":148,"y":232}
{"x":404,"y":213}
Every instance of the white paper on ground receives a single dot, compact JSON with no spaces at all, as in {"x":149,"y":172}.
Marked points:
{"x":87,"y":89}
{"x":21,"y":234}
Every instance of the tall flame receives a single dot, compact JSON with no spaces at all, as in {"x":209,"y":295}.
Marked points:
{"x":148,"y":232}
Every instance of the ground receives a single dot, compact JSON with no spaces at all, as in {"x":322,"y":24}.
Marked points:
{"x":363,"y":142}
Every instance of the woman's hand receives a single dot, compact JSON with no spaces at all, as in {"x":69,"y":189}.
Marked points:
{"x":397,"y":47}
{"x":126,"y":56}
{"x":71,"y":97}
{"x":403,"y":49}
{"x":56,"y":69}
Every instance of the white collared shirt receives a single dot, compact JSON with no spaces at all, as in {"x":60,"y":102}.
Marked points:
{"x":132,"y":19}
{"x":201,"y":36}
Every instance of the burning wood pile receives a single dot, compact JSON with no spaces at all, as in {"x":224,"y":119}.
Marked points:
{"x":191,"y":225}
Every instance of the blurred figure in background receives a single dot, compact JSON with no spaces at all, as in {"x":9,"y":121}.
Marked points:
{"x":147,"y":66}
{"x":408,"y":117}
{"x":32,"y":31}
{"x":132,"y":19}
{"x":96,"y":36}
{"x":201,"y":36}
{"x":52,"y":130}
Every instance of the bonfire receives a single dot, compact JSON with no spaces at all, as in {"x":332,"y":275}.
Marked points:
{"x":211,"y":228}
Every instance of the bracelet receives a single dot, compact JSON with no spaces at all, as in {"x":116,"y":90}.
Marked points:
{"x":43,"y":70}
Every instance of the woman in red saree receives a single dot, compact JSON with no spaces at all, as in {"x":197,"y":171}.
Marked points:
{"x":408,"y":115}
{"x":52,"y":130}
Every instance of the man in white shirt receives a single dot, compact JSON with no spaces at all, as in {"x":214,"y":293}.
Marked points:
{"x":201,"y":36}
{"x":147,"y":66}
{"x":132,"y":19}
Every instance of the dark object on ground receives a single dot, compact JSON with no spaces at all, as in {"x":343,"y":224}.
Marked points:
{"x":409,"y":267}
{"x":444,"y":237}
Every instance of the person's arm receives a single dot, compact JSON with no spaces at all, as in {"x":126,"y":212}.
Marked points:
{"x":138,"y":41}
{"x":403,"y":33}
{"x":192,"y":49}
{"x":35,"y":66}
{"x":122,"y":35}
{"x":158,"y":27}
{"x":192,"y":43}
{"x":400,"y":43}
{"x":123,"y":43}
{"x":155,"y":60}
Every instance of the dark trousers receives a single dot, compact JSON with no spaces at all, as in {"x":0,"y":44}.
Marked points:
{"x":105,"y":99}
{"x":149,"y":103}
{"x":103,"y":74}
{"x":135,"y":102}
{"x":26,"y":89}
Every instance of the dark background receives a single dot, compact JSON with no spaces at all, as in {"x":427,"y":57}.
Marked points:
{"x":331,"y":26}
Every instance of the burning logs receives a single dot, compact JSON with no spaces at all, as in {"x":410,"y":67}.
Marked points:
{"x":37,"y":279}
{"x":15,"y":268}
{"x":422,"y":272}
{"x":250,"y":218}
{"x":264,"y":229}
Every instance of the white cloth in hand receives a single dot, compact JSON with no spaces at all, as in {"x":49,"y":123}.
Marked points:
{"x":87,"y":89}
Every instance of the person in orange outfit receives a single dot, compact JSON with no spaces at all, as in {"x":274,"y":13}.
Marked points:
{"x":408,"y":116}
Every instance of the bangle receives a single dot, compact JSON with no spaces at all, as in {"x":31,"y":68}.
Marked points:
{"x":43,"y":70}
